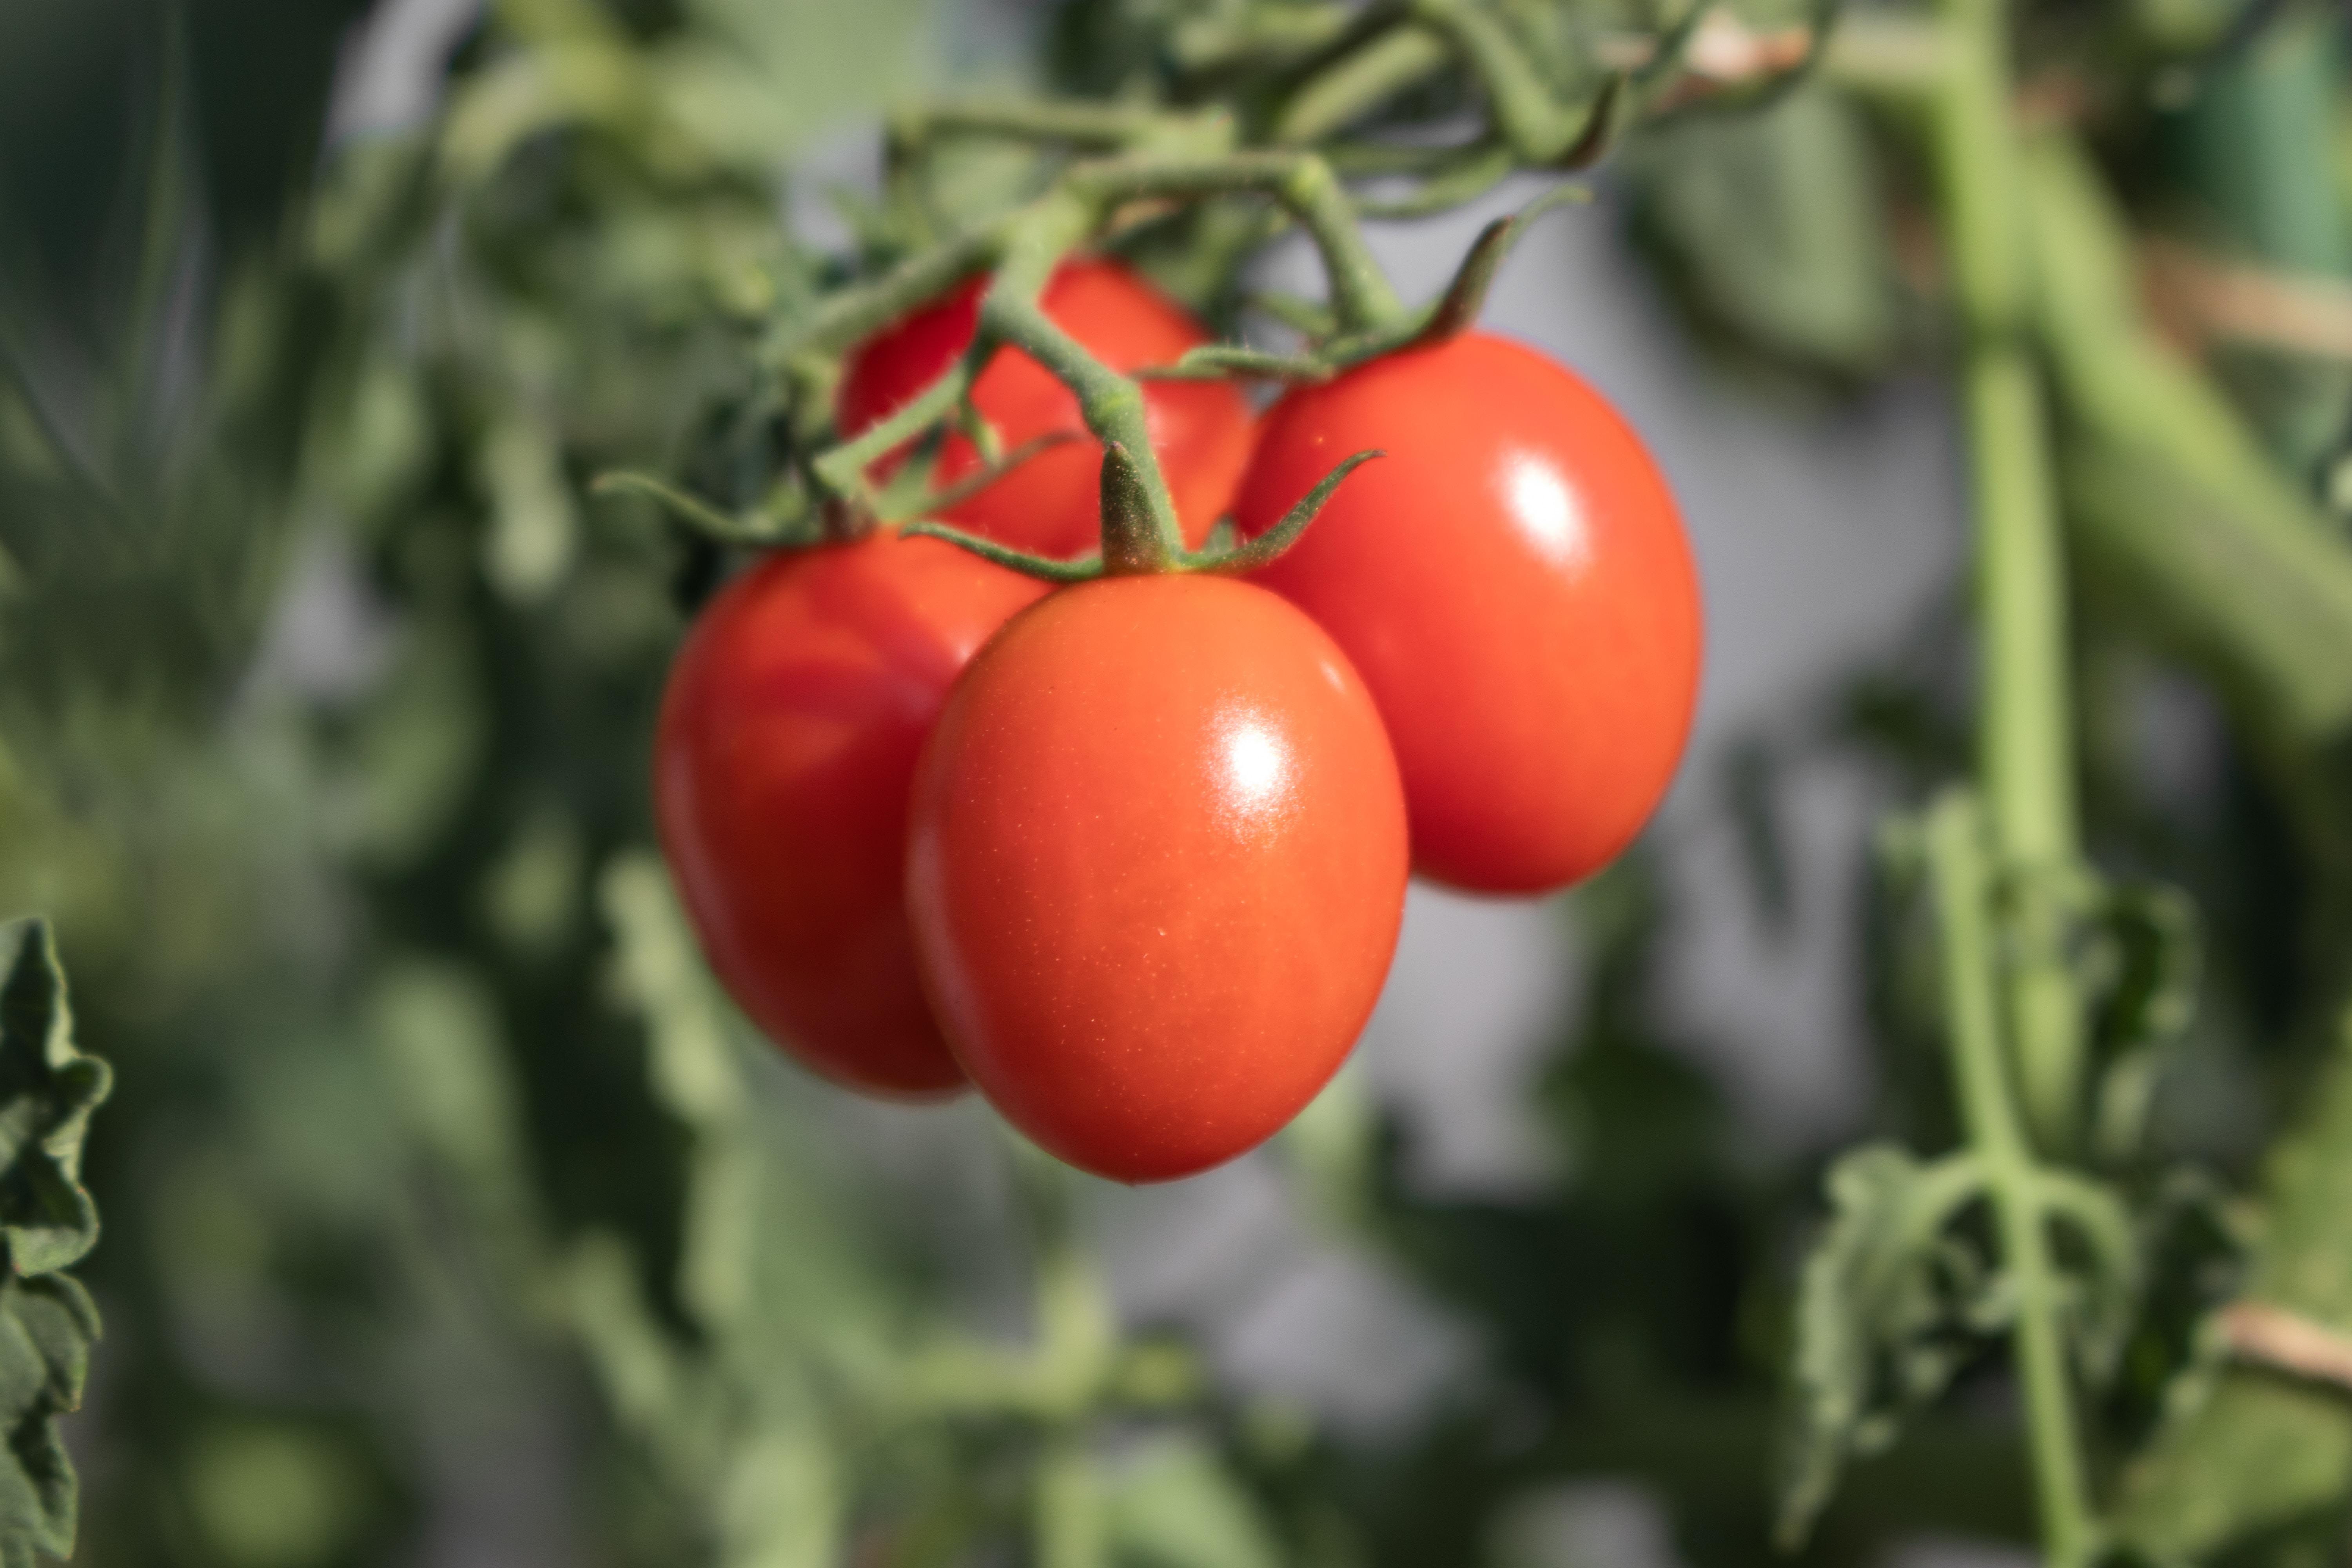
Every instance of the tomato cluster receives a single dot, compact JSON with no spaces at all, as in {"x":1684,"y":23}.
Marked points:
{"x":1132,"y":856}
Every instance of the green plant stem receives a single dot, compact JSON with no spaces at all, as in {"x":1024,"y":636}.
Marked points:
{"x":1358,"y":82}
{"x":1140,"y":527}
{"x":1301,"y":182}
{"x":861,"y":311}
{"x":1081,"y":124}
{"x":2025,"y":758}
{"x":1540,"y":127}
{"x":1140,"y":531}
{"x":1471,"y":175}
{"x":843,"y":469}
{"x":1262,"y":35}
{"x":2173,"y":499}
{"x":1963,"y":894}
{"x":1093,"y":128}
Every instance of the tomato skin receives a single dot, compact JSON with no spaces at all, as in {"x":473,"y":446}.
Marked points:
{"x":1051,"y":503}
{"x":1155,"y":870}
{"x":1514,"y":582}
{"x":788,"y":737}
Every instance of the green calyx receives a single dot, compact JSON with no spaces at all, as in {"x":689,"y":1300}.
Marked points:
{"x":1133,"y":545}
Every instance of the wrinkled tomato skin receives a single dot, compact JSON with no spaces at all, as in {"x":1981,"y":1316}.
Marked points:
{"x":1051,"y":503}
{"x":788,"y":732}
{"x":1514,"y":582}
{"x":1156,"y":869}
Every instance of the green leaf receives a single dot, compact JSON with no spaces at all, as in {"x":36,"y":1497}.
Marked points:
{"x":2103,"y":1272}
{"x":47,"y":1326}
{"x":47,"y":1322}
{"x":47,"y":1089}
{"x":2141,"y":967}
{"x":1887,"y":1304}
{"x":1773,"y":229}
{"x":2261,"y":1455}
{"x":755,"y":78}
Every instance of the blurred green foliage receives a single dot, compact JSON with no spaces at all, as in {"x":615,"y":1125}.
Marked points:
{"x":47,"y":1322}
{"x":451,"y":1213}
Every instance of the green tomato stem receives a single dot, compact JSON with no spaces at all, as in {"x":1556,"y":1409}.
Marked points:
{"x":1467,"y":176}
{"x":1139,"y":516}
{"x":1539,"y":128}
{"x":842,"y":469}
{"x":2025,"y":759}
{"x":2023,"y":989}
{"x":1302,"y":183}
{"x":865,"y":310}
{"x":1099,"y":126}
{"x":1359,"y":81}
{"x":1981,"y":1081}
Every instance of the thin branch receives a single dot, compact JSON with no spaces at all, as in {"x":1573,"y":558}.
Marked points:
{"x":1301,"y":182}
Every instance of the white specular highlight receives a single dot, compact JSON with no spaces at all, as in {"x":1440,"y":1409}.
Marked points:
{"x":1548,"y":514}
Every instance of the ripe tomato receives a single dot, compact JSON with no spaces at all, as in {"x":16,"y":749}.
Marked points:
{"x":1513,"y":580}
{"x":1051,"y":503}
{"x":788,"y":739}
{"x":1156,"y":868}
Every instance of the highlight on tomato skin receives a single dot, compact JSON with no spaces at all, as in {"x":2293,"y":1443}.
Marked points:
{"x":1157,"y":871}
{"x":788,"y":736}
{"x":1050,"y":502}
{"x":1514,"y":582}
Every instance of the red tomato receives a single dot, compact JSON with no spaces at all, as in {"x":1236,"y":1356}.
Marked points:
{"x":1513,"y":580}
{"x":1051,"y":503}
{"x":789,"y":733}
{"x":1157,"y":864}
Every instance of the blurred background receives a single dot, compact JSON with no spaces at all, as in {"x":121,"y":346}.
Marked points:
{"x":453,"y":1218}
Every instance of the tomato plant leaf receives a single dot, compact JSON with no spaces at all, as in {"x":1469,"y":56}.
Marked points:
{"x":2261,"y":1455}
{"x":1888,"y":1302}
{"x":48,"y":1324}
{"x":1772,"y":230}
{"x":2142,"y":967}
{"x":47,"y":1089}
{"x":2102,"y":1275}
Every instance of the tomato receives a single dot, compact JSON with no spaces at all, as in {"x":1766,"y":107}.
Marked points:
{"x":1051,"y":503}
{"x":1513,"y":580}
{"x":1156,"y":868}
{"x":788,"y":738}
